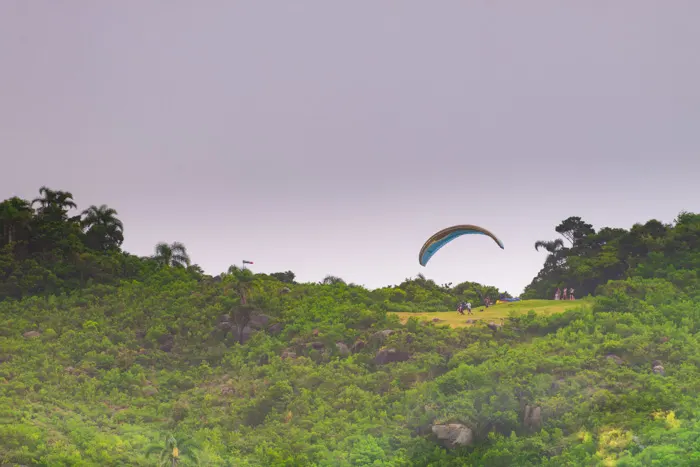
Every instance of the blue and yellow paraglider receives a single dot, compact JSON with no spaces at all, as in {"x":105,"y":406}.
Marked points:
{"x":445,"y":236}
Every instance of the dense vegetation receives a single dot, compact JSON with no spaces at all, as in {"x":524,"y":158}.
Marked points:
{"x":110,"y":359}
{"x":585,"y":259}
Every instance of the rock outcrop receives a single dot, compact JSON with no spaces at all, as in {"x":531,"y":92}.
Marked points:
{"x":358,"y":346}
{"x":533,"y":417}
{"x":385,"y":356}
{"x":658,"y":368}
{"x":454,"y":435}
{"x":343,"y":349}
{"x":380,"y":336}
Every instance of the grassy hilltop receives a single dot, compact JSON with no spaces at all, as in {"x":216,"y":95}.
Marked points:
{"x":494,"y":313}
{"x":108,"y":359}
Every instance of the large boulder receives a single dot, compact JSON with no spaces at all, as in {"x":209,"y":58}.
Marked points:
{"x":358,"y":346}
{"x":275,"y":329}
{"x":258,"y":321}
{"x":343,"y":349}
{"x":454,"y":435}
{"x":385,"y":356}
{"x":380,"y":336}
{"x":317,"y":345}
{"x":533,"y":417}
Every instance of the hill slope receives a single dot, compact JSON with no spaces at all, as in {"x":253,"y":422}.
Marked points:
{"x":115,"y":368}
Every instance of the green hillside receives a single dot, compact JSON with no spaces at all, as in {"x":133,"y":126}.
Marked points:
{"x":108,"y":359}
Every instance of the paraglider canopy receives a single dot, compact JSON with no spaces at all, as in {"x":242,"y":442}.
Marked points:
{"x":445,"y":236}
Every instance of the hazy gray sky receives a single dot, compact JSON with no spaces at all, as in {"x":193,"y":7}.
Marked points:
{"x":336,"y":137}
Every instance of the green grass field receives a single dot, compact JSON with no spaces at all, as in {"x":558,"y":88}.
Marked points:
{"x":496,"y":312}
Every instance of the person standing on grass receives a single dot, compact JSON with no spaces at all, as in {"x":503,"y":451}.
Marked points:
{"x":557,"y":293}
{"x":571,"y":294}
{"x":564,"y":295}
{"x":469,"y":308}
{"x":460,"y":308}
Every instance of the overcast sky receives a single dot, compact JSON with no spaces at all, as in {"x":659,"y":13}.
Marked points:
{"x":336,"y":137}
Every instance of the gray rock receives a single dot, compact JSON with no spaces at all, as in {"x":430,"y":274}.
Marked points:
{"x":258,"y":321}
{"x":343,"y":349}
{"x":385,"y":356}
{"x":275,"y":329}
{"x":381,"y":335}
{"x":533,"y":417}
{"x":454,"y":435}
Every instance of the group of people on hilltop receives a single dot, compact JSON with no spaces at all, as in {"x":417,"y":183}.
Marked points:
{"x":464,"y":306}
{"x":468,"y":306}
{"x":566,"y":294}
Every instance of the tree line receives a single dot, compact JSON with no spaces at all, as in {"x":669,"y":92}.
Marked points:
{"x":587,"y":259}
{"x":44,"y":249}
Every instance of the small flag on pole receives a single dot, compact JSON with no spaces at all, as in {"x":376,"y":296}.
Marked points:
{"x":247,"y":262}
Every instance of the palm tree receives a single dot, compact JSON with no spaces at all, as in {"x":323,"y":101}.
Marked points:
{"x":552,"y":247}
{"x":243,"y":281}
{"x":103,"y":229}
{"x":557,"y":252}
{"x":174,"y":254}
{"x":15,"y":216}
{"x":173,"y":452}
{"x":54,"y":202}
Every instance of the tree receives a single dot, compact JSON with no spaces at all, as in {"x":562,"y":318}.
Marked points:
{"x":15,"y":217}
{"x":241,"y":316}
{"x":331,"y":280}
{"x":551,"y":246}
{"x":102,"y":228}
{"x":54,"y":234}
{"x":574,"y":229}
{"x":242,"y":280}
{"x":174,"y":255}
{"x":286,"y":277}
{"x":54,"y":204}
{"x":172,"y":452}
